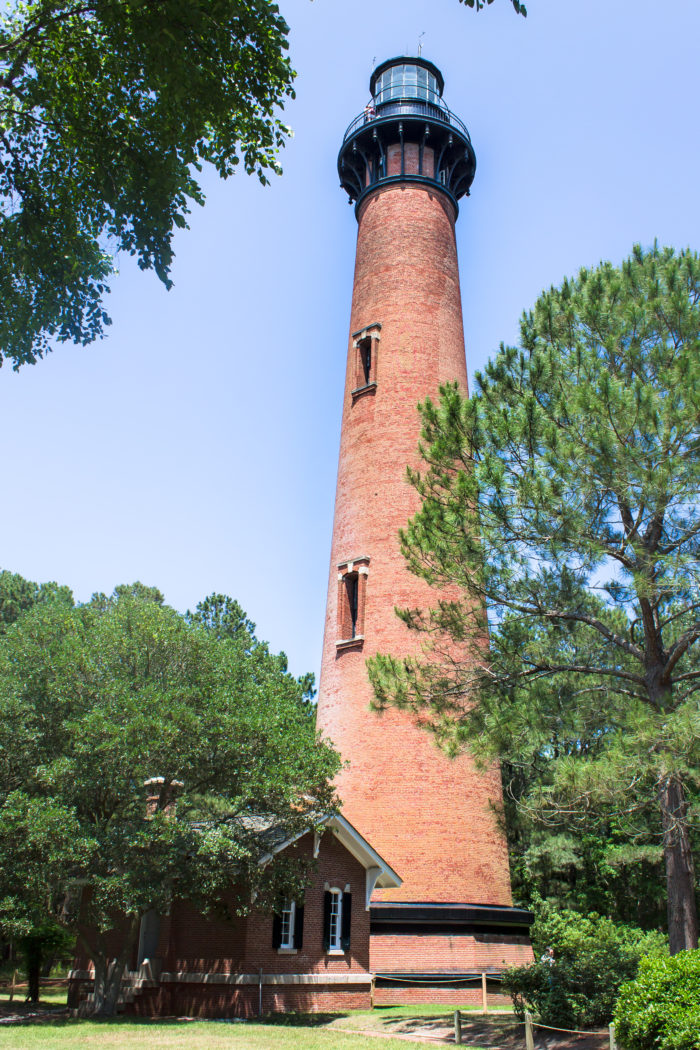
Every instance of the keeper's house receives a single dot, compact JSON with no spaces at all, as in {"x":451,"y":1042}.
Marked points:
{"x":312,"y":956}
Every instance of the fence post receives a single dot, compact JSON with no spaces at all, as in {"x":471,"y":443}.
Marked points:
{"x":484,"y":997}
{"x":529,"y":1040}
{"x":371,"y":991}
{"x":613,"y":1044}
{"x":458,"y":1028}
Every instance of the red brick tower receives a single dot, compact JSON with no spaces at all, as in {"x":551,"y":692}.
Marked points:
{"x":406,"y":160}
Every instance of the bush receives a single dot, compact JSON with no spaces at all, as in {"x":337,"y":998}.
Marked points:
{"x":591,"y":958}
{"x":660,"y":1009}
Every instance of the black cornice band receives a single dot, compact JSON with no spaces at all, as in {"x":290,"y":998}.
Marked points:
{"x":452,"y":915}
{"x":392,"y":180}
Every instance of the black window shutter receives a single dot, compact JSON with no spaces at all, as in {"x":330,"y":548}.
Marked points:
{"x":345,"y":922}
{"x":299,"y":926}
{"x":326,"y":921}
{"x":277,"y":931}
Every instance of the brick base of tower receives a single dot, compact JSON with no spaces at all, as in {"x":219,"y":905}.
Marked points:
{"x":445,"y":953}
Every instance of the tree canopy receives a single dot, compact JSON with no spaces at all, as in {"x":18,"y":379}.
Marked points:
{"x":144,"y":757}
{"x":564,"y":499}
{"x":108,"y":109}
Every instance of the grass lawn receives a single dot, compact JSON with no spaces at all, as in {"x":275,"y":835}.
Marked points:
{"x":50,"y":994}
{"x":348,"y":1030}
{"x":178,"y":1035}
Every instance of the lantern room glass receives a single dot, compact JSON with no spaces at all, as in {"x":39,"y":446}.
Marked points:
{"x":406,"y":81}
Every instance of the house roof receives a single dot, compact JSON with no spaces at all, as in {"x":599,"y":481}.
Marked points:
{"x":378,"y":871}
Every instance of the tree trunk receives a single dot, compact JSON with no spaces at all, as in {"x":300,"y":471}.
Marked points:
{"x":108,"y":979}
{"x":680,"y":870}
{"x":109,"y":973}
{"x":32,"y":950}
{"x":33,"y":961}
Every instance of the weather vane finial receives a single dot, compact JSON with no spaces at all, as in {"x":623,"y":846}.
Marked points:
{"x":420,"y":45}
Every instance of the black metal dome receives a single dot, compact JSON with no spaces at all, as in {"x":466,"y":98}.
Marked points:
{"x":406,"y":133}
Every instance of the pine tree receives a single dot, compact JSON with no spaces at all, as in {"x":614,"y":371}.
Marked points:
{"x":564,"y":498}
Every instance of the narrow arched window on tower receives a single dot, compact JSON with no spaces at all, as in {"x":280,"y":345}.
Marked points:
{"x":366,"y":343}
{"x":351,"y":582}
{"x":365,"y":348}
{"x":352,"y":590}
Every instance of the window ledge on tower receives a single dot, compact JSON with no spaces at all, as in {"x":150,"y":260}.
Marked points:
{"x":350,"y":643}
{"x":359,"y":391}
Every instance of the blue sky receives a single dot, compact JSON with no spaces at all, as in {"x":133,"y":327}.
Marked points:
{"x":195,"y":447}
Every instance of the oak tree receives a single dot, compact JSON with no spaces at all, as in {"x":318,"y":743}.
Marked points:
{"x":108,"y":110}
{"x":144,"y":760}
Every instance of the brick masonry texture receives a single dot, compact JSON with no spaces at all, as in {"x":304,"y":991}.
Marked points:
{"x":203,"y":1001}
{"x":457,"y":995}
{"x":445,"y":954}
{"x":430,"y":817}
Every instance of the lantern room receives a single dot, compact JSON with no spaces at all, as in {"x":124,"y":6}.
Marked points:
{"x":406,"y":133}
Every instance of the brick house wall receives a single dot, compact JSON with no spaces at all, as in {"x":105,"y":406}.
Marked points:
{"x":244,"y":945}
{"x":214,"y":967}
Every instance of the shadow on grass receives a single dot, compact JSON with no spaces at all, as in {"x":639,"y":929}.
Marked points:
{"x":477,"y":1032}
{"x":289,"y":1020}
{"x":300,"y":1020}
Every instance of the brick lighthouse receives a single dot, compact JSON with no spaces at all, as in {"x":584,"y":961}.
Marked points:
{"x":406,"y":161}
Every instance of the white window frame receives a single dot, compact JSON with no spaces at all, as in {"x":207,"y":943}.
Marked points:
{"x":336,"y":925}
{"x":288,"y":915}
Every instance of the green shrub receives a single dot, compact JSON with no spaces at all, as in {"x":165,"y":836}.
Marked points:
{"x":592,"y":957}
{"x":660,"y":1009}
